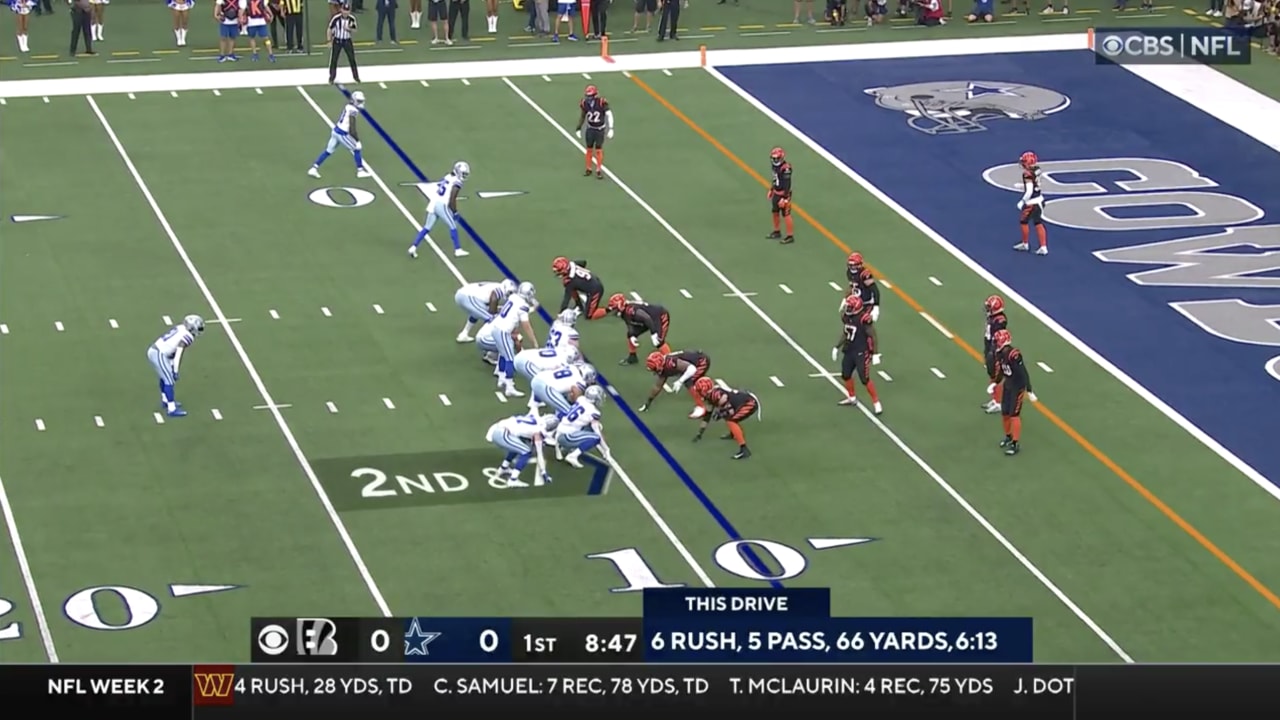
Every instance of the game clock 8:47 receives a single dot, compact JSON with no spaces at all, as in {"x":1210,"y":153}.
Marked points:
{"x":760,"y":560}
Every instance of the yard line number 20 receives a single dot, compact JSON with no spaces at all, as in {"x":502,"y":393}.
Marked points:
{"x":81,"y":607}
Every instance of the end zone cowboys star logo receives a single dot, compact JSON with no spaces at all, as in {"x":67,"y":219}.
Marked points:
{"x":416,"y":639}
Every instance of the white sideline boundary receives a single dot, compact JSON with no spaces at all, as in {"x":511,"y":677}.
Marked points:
{"x":685,"y":59}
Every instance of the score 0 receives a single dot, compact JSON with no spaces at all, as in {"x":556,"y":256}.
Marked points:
{"x":381,"y":640}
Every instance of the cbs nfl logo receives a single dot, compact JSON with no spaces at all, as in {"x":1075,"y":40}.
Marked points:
{"x":1210,"y":46}
{"x":313,"y":637}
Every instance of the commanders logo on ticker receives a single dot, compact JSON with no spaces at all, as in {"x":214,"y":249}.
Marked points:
{"x":213,"y":684}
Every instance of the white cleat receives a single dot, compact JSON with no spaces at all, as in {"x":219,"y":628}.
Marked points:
{"x":849,"y":400}
{"x":515,"y":482}
{"x":413,"y":251}
{"x":459,"y":252}
{"x":464,"y":338}
{"x":314,"y":171}
{"x":697,"y":413}
{"x":572,"y":458}
{"x":1020,"y":247}
{"x":362,"y":173}
{"x":877,"y":408}
{"x":1043,"y":250}
{"x":991,"y":407}
{"x":511,"y":391}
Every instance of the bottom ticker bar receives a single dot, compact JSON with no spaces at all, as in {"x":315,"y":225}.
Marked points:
{"x":392,"y":692}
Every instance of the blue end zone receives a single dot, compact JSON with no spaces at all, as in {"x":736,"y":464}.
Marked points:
{"x":1083,"y":111}
{"x":751,"y":555}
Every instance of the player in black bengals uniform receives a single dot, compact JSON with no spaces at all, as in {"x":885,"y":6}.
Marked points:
{"x":1015,"y":383}
{"x":1031,"y":206}
{"x":996,"y":321}
{"x":582,"y":288}
{"x":780,"y":197}
{"x":681,"y":368}
{"x":732,"y":406}
{"x":863,"y":284}
{"x":854,"y":350}
{"x":594,"y":112}
{"x":641,"y":318}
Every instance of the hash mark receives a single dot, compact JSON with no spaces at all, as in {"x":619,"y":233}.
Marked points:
{"x":636,"y":296}
{"x":4,"y":329}
{"x":822,"y":375}
{"x":884,"y":375}
{"x":445,"y":400}
{"x":501,"y":397}
{"x":331,"y":407}
{"x":666,"y":72}
{"x":173,"y":93}
{"x":258,"y":90}
{"x":784,"y":288}
{"x":424,"y":83}
{"x":466,"y":81}
{"x":776,"y":381}
{"x":586,"y":76}
{"x":431,"y":308}
{"x":325,"y":311}
{"x":159,"y":418}
{"x":215,"y":321}
{"x":46,"y":100}
{"x":132,"y":96}
{"x":937,"y":325}
{"x":1045,"y":367}
{"x":885,"y":283}
{"x":935,"y":281}
{"x":836,"y":287}
{"x":382,"y":85}
{"x":740,"y":294}
{"x":57,"y":325}
{"x":269,"y":407}
{"x":938,"y":372}
{"x":377,"y":308}
{"x":39,"y":425}
{"x":390,"y":405}
{"x":217,"y":93}
{"x":686,"y":294}
{"x":547,"y":78}
{"x":97,"y":420}
{"x":216,"y":413}
{"x":166,"y":319}
{"x":626,"y":74}
{"x":274,"y":315}
{"x":114,"y":325}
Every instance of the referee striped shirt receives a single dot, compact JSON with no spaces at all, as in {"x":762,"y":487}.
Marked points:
{"x":342,"y":27}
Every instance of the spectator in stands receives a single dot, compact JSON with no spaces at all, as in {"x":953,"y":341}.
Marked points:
{"x":930,"y":13}
{"x":1273,"y":27}
{"x":1231,"y":15}
{"x":645,"y":8}
{"x":983,"y":11}
{"x":1215,"y":8}
{"x":181,"y":11}
{"x":797,"y":6}
{"x":877,"y":11}
{"x":437,"y":13}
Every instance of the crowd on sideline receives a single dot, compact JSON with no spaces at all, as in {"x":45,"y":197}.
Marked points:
{"x":266,"y":23}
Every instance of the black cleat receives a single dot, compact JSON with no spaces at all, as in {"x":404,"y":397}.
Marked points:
{"x":788,"y":240}
{"x":1006,"y":442}
{"x":629,"y":360}
{"x":587,"y":173}
{"x":727,"y":436}
{"x":742,"y":454}
{"x":1012,"y":448}
{"x":775,"y":235}
{"x":599,"y":174}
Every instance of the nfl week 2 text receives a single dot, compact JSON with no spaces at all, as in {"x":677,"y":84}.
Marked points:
{"x":106,"y":686}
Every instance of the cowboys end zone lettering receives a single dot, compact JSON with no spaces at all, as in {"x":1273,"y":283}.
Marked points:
{"x":1135,"y":177}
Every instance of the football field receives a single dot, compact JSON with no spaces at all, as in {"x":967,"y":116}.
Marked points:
{"x":334,"y":461}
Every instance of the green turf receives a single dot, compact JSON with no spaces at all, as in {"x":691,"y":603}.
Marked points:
{"x":338,"y":323}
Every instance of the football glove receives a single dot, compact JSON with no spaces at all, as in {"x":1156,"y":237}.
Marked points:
{"x":632,"y":341}
{"x":991,"y":388}
{"x":1021,"y":204}
{"x":784,"y":203}
{"x":835,"y":354}
{"x":1030,"y":395}
{"x":609,"y":134}
{"x":657,"y":341}
{"x":175,"y":377}
{"x":578,"y":132}
{"x":359,"y":146}
{"x":673,"y":387}
{"x":643,"y":407}
{"x":770,"y":195}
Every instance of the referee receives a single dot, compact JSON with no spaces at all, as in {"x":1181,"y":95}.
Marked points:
{"x":342,"y":28}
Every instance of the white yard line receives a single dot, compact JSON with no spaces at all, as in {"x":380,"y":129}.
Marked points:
{"x":229,"y":330}
{"x":813,"y":362}
{"x":28,"y":580}
{"x":640,"y":497}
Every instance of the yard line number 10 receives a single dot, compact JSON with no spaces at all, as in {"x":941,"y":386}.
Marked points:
{"x":761,"y":560}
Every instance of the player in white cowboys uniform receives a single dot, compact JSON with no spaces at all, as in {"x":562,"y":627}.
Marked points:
{"x":165,"y":356}
{"x":344,"y":133}
{"x":522,"y":436}
{"x":444,"y":206}
{"x":561,"y":388}
{"x":563,"y":332}
{"x":498,"y":335}
{"x":480,"y":301}
{"x":535,"y":361}
{"x":579,"y":430}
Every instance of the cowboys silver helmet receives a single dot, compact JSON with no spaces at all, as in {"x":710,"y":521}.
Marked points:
{"x":948,"y":107}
